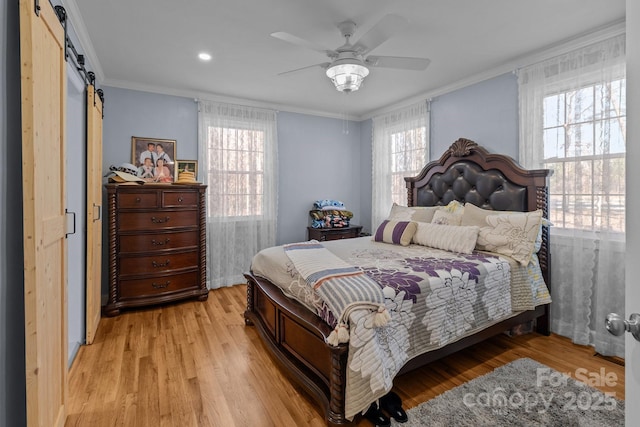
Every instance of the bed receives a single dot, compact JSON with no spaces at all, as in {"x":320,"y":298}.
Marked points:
{"x":298,"y":336}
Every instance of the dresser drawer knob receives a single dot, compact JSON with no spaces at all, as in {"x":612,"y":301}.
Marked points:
{"x":138,"y":199}
{"x":154,"y":242}
{"x":160,"y":264}
{"x":180,"y":199}
{"x":160,"y":220}
{"x":161,"y":285}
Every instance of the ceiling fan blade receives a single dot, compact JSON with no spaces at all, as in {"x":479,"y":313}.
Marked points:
{"x":324,"y":65}
{"x":402,"y":62}
{"x":379,"y":33}
{"x":290,"y":38}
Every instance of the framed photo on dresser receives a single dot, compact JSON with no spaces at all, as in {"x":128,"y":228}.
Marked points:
{"x":187,"y":166}
{"x":154,"y":158}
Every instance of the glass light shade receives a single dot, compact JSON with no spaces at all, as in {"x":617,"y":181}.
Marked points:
{"x":347,"y":77}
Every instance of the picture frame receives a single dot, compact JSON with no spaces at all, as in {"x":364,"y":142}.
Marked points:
{"x":190,"y":165}
{"x":143,"y":148}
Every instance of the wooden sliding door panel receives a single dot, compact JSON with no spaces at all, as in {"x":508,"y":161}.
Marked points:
{"x":43,"y":84}
{"x":94,"y":212}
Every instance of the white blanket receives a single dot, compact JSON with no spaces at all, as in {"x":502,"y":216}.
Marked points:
{"x":341,"y":286}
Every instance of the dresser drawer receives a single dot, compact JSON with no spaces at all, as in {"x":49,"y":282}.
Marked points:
{"x":324,"y":234}
{"x":171,"y":199}
{"x":160,"y":263}
{"x":154,"y":220}
{"x":139,"y":288}
{"x":154,"y":242}
{"x":138,"y":200}
{"x":342,"y":234}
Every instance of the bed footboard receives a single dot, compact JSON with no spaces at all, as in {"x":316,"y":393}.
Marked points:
{"x":296,"y":338}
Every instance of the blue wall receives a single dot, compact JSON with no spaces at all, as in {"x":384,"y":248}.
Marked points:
{"x":130,"y":113}
{"x":366,"y":163}
{"x":486,"y":113}
{"x":12,"y":366}
{"x":319,"y":158}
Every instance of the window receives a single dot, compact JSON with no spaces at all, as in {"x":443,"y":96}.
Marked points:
{"x":584,"y":143}
{"x":236,"y":157}
{"x":573,"y":120}
{"x":400,"y":149}
{"x":408,"y":157}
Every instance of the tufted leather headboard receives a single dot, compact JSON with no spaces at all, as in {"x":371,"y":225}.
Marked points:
{"x":468,"y":173}
{"x":467,"y":182}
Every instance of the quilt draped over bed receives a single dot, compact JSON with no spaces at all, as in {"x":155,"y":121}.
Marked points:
{"x":341,"y":286}
{"x":434,"y":298}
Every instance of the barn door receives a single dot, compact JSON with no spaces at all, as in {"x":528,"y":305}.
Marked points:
{"x":94,"y":211}
{"x":43,"y":83}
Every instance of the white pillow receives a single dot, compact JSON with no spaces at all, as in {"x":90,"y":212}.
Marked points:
{"x":473,"y":215}
{"x":447,"y":237}
{"x":412,"y":213}
{"x":512,"y":234}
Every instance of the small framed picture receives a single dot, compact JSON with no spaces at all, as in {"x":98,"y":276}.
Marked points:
{"x":154,"y":158}
{"x":187,"y":166}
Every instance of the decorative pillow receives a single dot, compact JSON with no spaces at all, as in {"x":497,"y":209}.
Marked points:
{"x":474,"y":215}
{"x":444,"y":217}
{"x":512,"y":234}
{"x":454,"y":207}
{"x":448,"y":237}
{"x":396,"y":232}
{"x":413,"y":213}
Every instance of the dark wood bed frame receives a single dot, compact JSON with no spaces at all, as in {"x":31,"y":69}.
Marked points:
{"x":466,"y":172}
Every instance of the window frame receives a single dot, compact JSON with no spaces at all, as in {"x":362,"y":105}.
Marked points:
{"x":237,"y":126}
{"x":562,"y":86}
{"x":393,"y":174}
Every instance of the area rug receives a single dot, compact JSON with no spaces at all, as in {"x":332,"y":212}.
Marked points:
{"x":521,"y":393}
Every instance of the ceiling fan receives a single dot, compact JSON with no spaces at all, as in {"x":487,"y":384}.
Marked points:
{"x":349,"y":65}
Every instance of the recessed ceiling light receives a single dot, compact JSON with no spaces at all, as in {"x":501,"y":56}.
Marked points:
{"x":204,"y":56}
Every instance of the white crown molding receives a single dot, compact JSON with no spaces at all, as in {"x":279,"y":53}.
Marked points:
{"x":77,"y":23}
{"x":209,"y":96}
{"x":602,"y":33}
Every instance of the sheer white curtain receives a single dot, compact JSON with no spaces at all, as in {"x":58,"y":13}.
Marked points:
{"x":400,"y":148}
{"x":573,"y":120}
{"x":238,"y":162}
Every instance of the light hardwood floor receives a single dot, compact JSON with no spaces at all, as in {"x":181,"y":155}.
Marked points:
{"x":197,"y":364}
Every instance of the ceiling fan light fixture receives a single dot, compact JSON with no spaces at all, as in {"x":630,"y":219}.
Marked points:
{"x":347,"y":75}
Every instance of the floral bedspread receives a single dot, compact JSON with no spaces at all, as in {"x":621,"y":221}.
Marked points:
{"x":434,"y":297}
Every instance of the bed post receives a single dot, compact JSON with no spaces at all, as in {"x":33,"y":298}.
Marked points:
{"x":337,"y":380}
{"x":250,"y":307}
{"x":543,"y":323}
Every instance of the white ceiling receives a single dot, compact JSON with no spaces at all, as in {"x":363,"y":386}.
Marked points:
{"x":153,"y":44}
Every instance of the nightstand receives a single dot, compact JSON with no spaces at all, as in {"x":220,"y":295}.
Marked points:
{"x":324,"y":234}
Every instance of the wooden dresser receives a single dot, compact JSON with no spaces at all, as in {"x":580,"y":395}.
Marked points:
{"x":157,"y":246}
